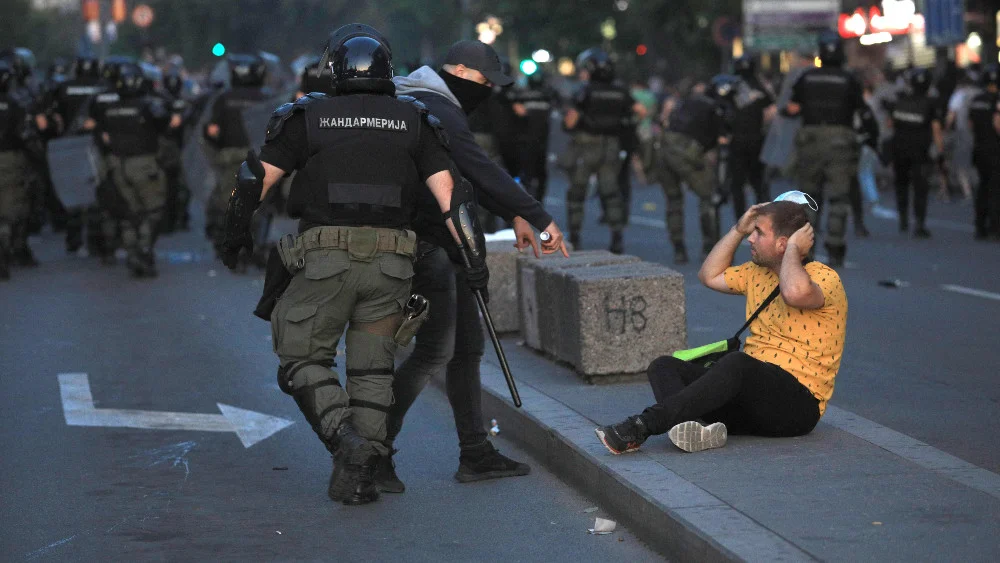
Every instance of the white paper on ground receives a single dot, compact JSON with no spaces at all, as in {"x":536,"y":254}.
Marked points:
{"x":602,"y":526}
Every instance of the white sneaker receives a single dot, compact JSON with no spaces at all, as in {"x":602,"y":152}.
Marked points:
{"x":692,"y":436}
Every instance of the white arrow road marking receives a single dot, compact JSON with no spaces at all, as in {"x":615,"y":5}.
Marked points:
{"x":79,"y":410}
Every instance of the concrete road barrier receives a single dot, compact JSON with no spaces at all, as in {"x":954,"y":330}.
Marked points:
{"x":501,"y":259}
{"x":618,"y":318}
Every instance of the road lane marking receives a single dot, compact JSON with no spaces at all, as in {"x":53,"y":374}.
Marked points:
{"x":914,"y":450}
{"x":78,"y":408}
{"x":971,"y":291}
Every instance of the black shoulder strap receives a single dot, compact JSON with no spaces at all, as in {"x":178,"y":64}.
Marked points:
{"x":283,"y":112}
{"x":429,"y":118}
{"x":753,"y":317}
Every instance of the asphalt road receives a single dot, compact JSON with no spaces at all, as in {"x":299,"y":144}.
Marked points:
{"x":183,"y":343}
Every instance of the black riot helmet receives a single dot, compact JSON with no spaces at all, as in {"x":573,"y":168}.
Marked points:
{"x":359,"y":59}
{"x":113,"y":65}
{"x":59,"y":67}
{"x":6,"y":75}
{"x":919,"y":80}
{"x":246,"y":70}
{"x":316,"y":78}
{"x":86,"y":67}
{"x":745,"y":67}
{"x":990,"y":76}
{"x":598,"y":65}
{"x":131,"y":82}
{"x":536,"y":79}
{"x":21,"y":60}
{"x":173,"y":83}
{"x":723,"y":86}
{"x":831,"y":48}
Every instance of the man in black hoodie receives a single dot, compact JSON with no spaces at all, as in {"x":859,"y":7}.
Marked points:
{"x":453,"y":337}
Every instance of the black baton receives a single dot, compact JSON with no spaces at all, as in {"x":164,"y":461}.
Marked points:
{"x":493,"y":336}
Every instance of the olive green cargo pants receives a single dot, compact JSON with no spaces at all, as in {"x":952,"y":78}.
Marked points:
{"x":594,"y":154}
{"x":826,"y":159}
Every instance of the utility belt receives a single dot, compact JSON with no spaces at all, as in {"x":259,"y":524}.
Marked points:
{"x":682,"y":142}
{"x":361,"y":243}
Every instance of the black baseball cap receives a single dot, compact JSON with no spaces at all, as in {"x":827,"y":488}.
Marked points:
{"x":478,"y":56}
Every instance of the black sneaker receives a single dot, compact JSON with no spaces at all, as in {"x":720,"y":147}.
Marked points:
{"x":624,"y":437}
{"x":352,"y":481}
{"x":385,"y":475}
{"x":485,"y":462}
{"x":921,"y":232}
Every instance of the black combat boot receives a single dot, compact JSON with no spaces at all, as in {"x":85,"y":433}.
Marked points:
{"x":574,"y":239}
{"x":354,"y":462}
{"x":385,"y":474}
{"x":921,"y":231}
{"x":680,"y":254}
{"x":837,"y":254}
{"x":485,"y":462}
{"x":4,"y":265}
{"x":24,"y":257}
{"x":617,"y":243}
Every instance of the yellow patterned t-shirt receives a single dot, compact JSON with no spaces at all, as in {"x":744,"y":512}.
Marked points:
{"x":807,"y":343}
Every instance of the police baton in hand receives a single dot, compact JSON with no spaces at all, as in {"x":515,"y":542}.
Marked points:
{"x":474,"y":249}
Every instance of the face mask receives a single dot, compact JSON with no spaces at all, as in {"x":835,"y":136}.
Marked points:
{"x":796,"y":196}
{"x":470,"y":94}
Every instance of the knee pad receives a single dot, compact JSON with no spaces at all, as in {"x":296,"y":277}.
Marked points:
{"x":318,"y":394}
{"x":370,"y":361}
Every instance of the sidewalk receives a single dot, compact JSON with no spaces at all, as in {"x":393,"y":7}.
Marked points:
{"x":852,"y":490}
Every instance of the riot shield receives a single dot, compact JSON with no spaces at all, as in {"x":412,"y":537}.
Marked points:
{"x":75,"y":169}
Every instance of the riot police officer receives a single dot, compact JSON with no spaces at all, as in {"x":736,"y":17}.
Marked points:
{"x":601,"y":111}
{"x":314,"y":78}
{"x":15,"y":128}
{"x":533,"y":105}
{"x":696,"y":124}
{"x":226,"y":132}
{"x":828,"y":98}
{"x":176,"y":215}
{"x":129,"y":130}
{"x":362,"y":158}
{"x":984,"y":119}
{"x":753,"y":107}
{"x":916,"y":121}
{"x":71,"y":104}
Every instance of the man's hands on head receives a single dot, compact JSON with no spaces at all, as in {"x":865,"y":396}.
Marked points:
{"x":802,"y":241}
{"x":748,"y":221}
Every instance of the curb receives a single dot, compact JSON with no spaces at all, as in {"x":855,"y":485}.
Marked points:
{"x":673,"y":515}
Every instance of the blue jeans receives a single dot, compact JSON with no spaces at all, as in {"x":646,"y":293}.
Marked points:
{"x":867,"y":165}
{"x":451,"y":340}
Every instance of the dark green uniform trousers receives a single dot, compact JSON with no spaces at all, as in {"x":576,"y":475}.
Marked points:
{"x":826,"y":159}
{"x":594,"y":154}
{"x":680,"y":159}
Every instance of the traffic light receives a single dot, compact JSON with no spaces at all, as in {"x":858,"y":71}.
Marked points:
{"x":528,"y":67}
{"x":219,"y":49}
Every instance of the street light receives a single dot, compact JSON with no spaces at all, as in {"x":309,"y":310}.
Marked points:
{"x":541,"y":56}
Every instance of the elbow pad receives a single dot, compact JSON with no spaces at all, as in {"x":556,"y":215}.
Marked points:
{"x":466,"y":221}
{"x":246,"y":194}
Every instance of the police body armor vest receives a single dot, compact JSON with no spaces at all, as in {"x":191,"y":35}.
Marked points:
{"x":132,"y":127}
{"x":747,"y":117}
{"x":232,"y":130}
{"x":13,"y":114}
{"x":74,"y":96}
{"x":981,"y":110}
{"x":695,"y":117}
{"x":826,"y":95}
{"x":911,"y":120}
{"x":360,"y":170}
{"x":604,"y":109}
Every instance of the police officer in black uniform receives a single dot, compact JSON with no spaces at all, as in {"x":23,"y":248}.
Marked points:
{"x":226,"y":132}
{"x":15,"y":128}
{"x":71,"y":103}
{"x":314,"y":78}
{"x":696,"y":124}
{"x":828,"y":98}
{"x":129,"y":129}
{"x":753,"y":105}
{"x":916,"y":121}
{"x":363,"y":156}
{"x":176,"y":216}
{"x":984,"y":117}
{"x":533,"y":106}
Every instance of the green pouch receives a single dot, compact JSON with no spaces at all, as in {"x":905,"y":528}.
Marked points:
{"x":362,"y":244}
{"x":709,"y":353}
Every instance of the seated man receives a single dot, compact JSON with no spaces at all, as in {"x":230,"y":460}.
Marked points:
{"x":780,"y":384}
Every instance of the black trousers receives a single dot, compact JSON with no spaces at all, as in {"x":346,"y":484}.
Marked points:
{"x":745,"y":168}
{"x":450,"y":341}
{"x":987,"y":202}
{"x":534,"y":171}
{"x":911,"y":169}
{"x":747,"y":395}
